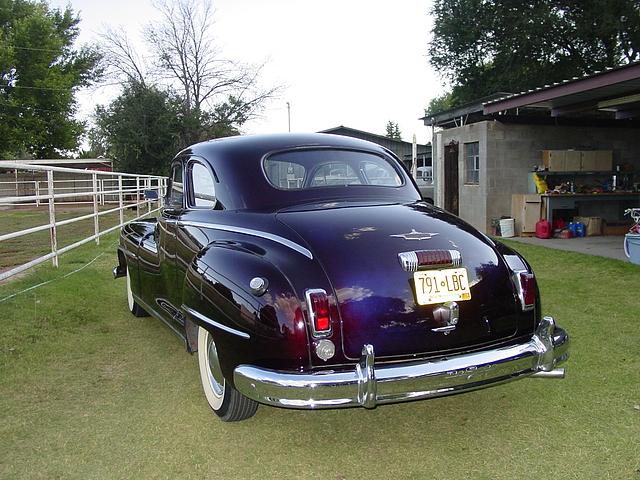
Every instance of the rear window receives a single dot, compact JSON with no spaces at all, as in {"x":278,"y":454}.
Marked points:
{"x":308,"y":169}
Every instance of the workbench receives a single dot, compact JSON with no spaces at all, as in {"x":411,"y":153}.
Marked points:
{"x":571,"y":201}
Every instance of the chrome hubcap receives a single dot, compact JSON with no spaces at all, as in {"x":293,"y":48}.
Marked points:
{"x":216,"y":380}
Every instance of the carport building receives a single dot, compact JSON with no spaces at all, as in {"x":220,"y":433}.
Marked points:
{"x":581,"y":134}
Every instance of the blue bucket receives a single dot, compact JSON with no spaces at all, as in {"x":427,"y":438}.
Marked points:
{"x":632,"y":247}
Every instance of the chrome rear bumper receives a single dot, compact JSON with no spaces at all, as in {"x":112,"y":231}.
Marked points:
{"x":368,"y":385}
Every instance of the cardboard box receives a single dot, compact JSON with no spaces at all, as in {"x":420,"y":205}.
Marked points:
{"x":573,"y":160}
{"x":588,"y":161}
{"x":554,"y":160}
{"x":597,"y":160}
{"x":593,"y":225}
{"x":604,"y":160}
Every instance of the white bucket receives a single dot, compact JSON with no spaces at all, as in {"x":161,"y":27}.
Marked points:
{"x":508,"y":227}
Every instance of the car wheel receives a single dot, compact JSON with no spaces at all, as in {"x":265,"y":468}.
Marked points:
{"x":229,"y":404}
{"x":134,"y":308}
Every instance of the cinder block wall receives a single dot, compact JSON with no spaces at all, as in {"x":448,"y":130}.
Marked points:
{"x":472,"y":199}
{"x":508,"y":153}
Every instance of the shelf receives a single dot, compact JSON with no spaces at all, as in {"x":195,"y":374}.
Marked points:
{"x":602,"y":172}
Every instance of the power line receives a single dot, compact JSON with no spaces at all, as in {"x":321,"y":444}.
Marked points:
{"x":27,"y":107}
{"x":36,"y":49}
{"x":44,"y":88}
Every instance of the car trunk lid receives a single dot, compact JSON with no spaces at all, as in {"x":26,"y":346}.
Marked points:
{"x":358,"y":248}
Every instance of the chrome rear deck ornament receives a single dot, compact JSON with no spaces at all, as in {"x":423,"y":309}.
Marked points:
{"x":414,"y":235}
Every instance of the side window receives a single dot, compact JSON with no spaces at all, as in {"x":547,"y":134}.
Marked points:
{"x":176,"y":194}
{"x":204,"y":190}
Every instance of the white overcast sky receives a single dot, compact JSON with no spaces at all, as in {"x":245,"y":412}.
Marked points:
{"x":358,"y":63}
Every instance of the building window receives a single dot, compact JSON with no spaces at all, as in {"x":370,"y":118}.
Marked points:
{"x":472,"y":163}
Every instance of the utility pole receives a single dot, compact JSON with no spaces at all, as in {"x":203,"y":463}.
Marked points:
{"x":289,"y":115}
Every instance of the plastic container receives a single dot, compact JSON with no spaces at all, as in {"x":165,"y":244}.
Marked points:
{"x":632,"y":247}
{"x":508,"y":227}
{"x":573,"y":228}
{"x":543,"y":229}
{"x":581,"y":229}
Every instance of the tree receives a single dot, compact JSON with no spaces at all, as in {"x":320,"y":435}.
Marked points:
{"x":440,"y":104}
{"x":140,"y":129}
{"x":218,"y":95}
{"x":36,"y":116}
{"x":486,"y":46}
{"x":393,"y":131}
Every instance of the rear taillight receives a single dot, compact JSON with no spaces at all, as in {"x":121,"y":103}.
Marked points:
{"x":318,"y":307}
{"x":526,"y":286}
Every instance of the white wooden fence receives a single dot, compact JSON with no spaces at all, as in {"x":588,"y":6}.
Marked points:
{"x":89,"y":187}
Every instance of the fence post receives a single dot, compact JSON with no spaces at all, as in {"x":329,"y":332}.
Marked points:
{"x":147,"y":186}
{"x":52,"y":219}
{"x":37,"y":190}
{"x":96,"y":224}
{"x":137,"y":197}
{"x":102,"y":192}
{"x":120,"y":200}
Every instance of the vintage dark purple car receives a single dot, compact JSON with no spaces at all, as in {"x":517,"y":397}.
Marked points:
{"x":307,"y":272}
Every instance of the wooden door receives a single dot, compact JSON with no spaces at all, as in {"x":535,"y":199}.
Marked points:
{"x":451,"y":178}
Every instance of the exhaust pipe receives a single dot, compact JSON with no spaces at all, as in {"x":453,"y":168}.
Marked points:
{"x":555,"y":373}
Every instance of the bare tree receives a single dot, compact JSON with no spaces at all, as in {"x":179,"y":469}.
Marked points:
{"x":184,"y":46}
{"x":121,"y":59}
{"x":218,"y":95}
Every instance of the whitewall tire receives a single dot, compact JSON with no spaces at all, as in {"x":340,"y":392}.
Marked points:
{"x":229,"y":404}
{"x":134,"y":308}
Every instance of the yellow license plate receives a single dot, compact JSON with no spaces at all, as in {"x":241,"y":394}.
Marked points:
{"x":437,"y":286}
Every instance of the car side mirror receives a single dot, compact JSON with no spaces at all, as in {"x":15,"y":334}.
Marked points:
{"x":150,"y":195}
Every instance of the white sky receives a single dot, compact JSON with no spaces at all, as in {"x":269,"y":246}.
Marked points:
{"x":358,"y":63}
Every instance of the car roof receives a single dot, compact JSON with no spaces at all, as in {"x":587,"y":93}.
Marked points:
{"x":260,"y":145}
{"x":237,"y":163}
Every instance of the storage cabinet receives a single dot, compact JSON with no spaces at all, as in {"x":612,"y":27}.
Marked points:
{"x":526,"y":210}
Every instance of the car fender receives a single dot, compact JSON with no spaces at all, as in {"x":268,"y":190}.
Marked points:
{"x":261,"y":328}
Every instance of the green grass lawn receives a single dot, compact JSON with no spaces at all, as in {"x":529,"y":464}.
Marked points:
{"x":89,"y":391}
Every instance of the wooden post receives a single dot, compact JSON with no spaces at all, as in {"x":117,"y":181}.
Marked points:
{"x":52,"y":219}
{"x":96,"y":222}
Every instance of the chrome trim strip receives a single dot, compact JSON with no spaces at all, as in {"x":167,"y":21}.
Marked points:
{"x":456,"y":258}
{"x":254,"y":233}
{"x":367,"y":385}
{"x":445,"y":330}
{"x":409,"y":261}
{"x":215,"y":324}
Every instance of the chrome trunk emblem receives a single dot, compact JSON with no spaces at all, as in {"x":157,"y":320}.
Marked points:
{"x":413,"y":235}
{"x":447,"y":315}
